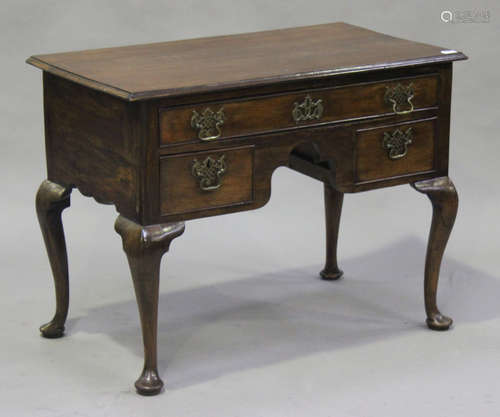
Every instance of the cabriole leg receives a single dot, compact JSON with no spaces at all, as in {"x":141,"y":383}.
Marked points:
{"x":444,"y":199}
{"x":145,"y":246}
{"x":333,"y":209}
{"x":51,"y":200}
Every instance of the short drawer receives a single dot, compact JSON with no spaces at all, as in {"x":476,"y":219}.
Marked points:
{"x":394,"y":150}
{"x":205,"y":180}
{"x":224,"y":119}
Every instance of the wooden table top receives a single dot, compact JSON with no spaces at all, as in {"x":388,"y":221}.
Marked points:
{"x":245,"y":60}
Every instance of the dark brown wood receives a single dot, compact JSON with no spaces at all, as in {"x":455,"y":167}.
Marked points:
{"x":372,"y":159}
{"x":444,"y":199}
{"x":270,"y":152}
{"x":118,"y":127}
{"x":250,"y":59}
{"x":51,"y":200}
{"x":145,"y":247}
{"x":108,"y":148}
{"x":91,"y":144}
{"x":333,"y":210}
{"x":261,"y":114}
{"x":180,"y":191}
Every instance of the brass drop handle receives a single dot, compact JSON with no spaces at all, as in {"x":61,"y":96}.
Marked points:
{"x":208,"y":123}
{"x":209,"y":172}
{"x":396,"y":143}
{"x":400,"y":96}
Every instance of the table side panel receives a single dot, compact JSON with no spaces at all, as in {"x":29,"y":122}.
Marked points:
{"x":91,"y":144}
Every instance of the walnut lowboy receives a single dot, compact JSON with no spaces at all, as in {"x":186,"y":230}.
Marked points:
{"x":356,"y":109}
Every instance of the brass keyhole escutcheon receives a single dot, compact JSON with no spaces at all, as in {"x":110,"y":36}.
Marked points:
{"x":308,"y":109}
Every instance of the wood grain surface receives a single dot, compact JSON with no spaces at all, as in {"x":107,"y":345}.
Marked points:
{"x":271,"y":113}
{"x":373,"y":163}
{"x":180,"y":192}
{"x":251,"y":59}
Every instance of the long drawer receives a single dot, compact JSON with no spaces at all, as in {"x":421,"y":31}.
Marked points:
{"x":224,"y":119}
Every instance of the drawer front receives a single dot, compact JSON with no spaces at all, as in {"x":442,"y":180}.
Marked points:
{"x":217,"y":120}
{"x":390,"y":151}
{"x":202,"y":180}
